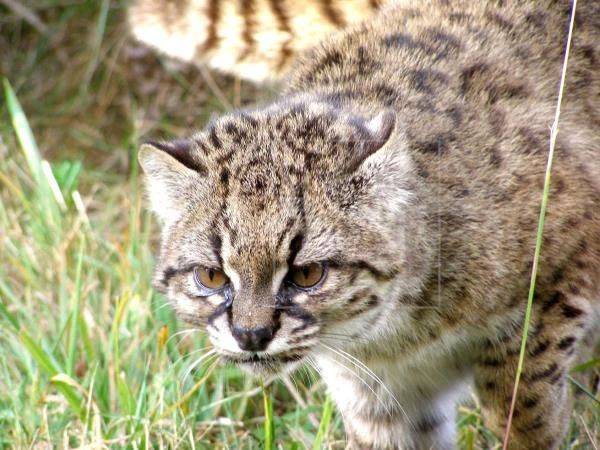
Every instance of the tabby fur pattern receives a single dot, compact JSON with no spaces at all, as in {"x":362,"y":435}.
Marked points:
{"x":407,"y":154}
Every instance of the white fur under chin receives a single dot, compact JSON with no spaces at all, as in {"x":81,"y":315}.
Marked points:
{"x":427,"y":383}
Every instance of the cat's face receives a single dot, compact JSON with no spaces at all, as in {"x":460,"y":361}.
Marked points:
{"x":283,"y":229}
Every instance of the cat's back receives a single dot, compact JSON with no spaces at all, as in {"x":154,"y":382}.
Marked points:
{"x":475,"y":89}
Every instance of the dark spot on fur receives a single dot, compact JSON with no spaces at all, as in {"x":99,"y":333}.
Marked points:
{"x":427,"y":424}
{"x":231,"y":128}
{"x":498,"y":20}
{"x":531,"y":401}
{"x":438,"y":145}
{"x":537,"y":19}
{"x":480,"y":79}
{"x":356,"y":297}
{"x":535,"y":424}
{"x":456,"y":115}
{"x":574,"y":289}
{"x":556,"y":378}
{"x":491,"y":362}
{"x":497,"y":120}
{"x":214,"y":139}
{"x":558,"y":275}
{"x":495,"y":158}
{"x":470,"y":73}
{"x":442,"y":43}
{"x":530,"y":142}
{"x":540,"y":348}
{"x":422,"y":171}
{"x":224,"y":176}
{"x":555,"y":299}
{"x":559,"y":186}
{"x":400,"y":40}
{"x":373,"y":301}
{"x":426,"y":80}
{"x":386,"y":94}
{"x":570,"y":311}
{"x":566,"y":343}
{"x":546,"y":373}
{"x":460,"y":17}
{"x":330,"y":59}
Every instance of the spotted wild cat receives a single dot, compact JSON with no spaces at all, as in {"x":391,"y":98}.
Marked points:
{"x":380,"y":218}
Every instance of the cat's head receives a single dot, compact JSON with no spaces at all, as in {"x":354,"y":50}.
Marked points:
{"x":285,"y":228}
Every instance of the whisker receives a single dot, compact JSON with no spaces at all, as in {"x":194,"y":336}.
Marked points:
{"x":345,"y":336}
{"x":187,"y":332}
{"x":334,"y":339}
{"x":164,"y":305}
{"x":188,"y":354}
{"x":366,"y":383}
{"x":280,"y":307}
{"x":198,"y":362}
{"x":315,"y":366}
{"x":352,"y":359}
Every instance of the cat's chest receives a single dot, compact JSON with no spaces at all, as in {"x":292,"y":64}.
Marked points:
{"x":409,"y":379}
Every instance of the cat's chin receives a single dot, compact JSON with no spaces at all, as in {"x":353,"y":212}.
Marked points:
{"x":267,"y":365}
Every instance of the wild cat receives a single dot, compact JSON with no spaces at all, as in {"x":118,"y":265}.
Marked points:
{"x":380,"y":218}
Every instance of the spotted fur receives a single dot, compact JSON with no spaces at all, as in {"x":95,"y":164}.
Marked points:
{"x":408,"y":154}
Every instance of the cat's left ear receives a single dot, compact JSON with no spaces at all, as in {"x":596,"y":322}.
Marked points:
{"x":375,"y":133}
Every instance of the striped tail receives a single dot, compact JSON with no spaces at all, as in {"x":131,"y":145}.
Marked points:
{"x":253,"y":39}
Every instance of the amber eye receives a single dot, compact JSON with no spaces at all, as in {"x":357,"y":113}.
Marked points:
{"x":306,"y":276}
{"x":211,"y":279}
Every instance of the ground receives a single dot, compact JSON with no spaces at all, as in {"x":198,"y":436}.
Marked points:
{"x":90,"y":356}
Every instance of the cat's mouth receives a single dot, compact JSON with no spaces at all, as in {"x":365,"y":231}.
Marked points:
{"x":266,"y":364}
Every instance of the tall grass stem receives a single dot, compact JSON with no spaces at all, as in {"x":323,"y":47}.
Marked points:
{"x":540,"y":230}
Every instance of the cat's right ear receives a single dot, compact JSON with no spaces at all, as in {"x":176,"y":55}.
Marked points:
{"x":169,"y":170}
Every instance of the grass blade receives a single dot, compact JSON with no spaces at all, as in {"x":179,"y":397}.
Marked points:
{"x":595,"y":362}
{"x":23,"y":131}
{"x":324,"y":424}
{"x":269,"y":425}
{"x":583,"y":389}
{"x":75,"y":306}
{"x":540,"y":231}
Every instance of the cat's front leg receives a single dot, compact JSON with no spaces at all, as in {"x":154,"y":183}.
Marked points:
{"x":377,"y":418}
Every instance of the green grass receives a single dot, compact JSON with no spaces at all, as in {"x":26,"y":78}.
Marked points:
{"x":89,"y":354}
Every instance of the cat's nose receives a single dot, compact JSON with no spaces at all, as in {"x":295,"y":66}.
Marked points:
{"x":253,"y":339}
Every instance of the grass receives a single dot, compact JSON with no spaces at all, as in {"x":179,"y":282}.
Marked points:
{"x":89,"y":354}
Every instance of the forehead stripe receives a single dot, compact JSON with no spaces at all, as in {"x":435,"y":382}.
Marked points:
{"x":216,"y":244}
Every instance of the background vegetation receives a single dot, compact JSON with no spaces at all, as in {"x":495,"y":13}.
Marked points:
{"x":89,"y":355}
